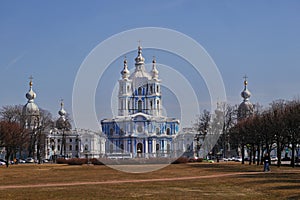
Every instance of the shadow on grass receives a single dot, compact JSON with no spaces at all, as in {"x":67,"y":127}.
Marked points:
{"x":274,"y":182}
{"x":286,"y":187}
{"x":226,"y":168}
{"x":294,"y":197}
{"x":268,"y":175}
{"x":270,"y":181}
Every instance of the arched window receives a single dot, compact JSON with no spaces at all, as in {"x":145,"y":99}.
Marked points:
{"x":151,"y":89}
{"x":58,"y":147}
{"x":111,"y":131}
{"x":157,"y":131}
{"x":86,"y":147}
{"x":151,"y":104}
{"x":157,"y":89}
{"x":70,"y":147}
{"x":157,"y":104}
{"x":140,"y":129}
{"x":140,"y":105}
{"x":168,"y":131}
{"x":139,"y":148}
{"x":122,"y":147}
{"x":188,"y":147}
{"x":157,"y":147}
{"x":128,"y":88}
{"x":139,"y":91}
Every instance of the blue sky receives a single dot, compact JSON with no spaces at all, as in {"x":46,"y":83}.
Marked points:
{"x":50,"y":39}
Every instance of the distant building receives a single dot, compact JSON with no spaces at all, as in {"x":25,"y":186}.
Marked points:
{"x":188,"y":142}
{"x":62,"y":141}
{"x":32,"y":122}
{"x":140,"y":129}
{"x":245,"y":110}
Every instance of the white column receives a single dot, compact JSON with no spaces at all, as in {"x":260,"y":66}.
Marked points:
{"x":146,"y":145}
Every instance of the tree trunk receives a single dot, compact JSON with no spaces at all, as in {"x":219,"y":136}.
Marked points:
{"x":250,"y":155}
{"x":254,"y":153}
{"x":293,"y":154}
{"x":278,"y":153}
{"x":258,"y":154}
{"x":8,"y":152}
{"x":243,"y":154}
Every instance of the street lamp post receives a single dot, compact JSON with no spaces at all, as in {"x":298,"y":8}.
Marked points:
{"x":63,"y":141}
{"x":38,"y":135}
{"x":78,"y":146}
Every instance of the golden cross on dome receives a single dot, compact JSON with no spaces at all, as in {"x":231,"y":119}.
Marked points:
{"x":245,"y":81}
{"x":30,"y":78}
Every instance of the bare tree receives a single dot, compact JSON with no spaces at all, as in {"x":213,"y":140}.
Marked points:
{"x":13,"y":113}
{"x":292,"y":126}
{"x":227,"y":120}
{"x":277,"y":126}
{"x":202,"y":126}
{"x":10,"y":137}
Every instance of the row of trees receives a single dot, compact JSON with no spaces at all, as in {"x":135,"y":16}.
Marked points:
{"x":276,"y":127}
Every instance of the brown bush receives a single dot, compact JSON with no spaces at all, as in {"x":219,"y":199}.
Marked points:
{"x":78,"y":161}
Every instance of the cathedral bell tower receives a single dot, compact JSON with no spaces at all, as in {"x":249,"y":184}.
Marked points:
{"x":125,"y":91}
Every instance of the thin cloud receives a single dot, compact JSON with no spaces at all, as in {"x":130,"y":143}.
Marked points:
{"x":14,"y":61}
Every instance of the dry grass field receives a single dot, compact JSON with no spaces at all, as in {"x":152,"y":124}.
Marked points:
{"x":177,"y":181}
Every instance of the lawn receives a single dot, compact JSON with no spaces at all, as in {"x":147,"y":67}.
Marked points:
{"x":177,"y":181}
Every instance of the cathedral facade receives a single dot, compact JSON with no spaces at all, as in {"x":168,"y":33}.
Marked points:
{"x":140,"y":129}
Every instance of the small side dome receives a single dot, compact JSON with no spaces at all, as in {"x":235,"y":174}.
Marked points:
{"x":154,"y":70}
{"x":125,"y":72}
{"x":30,"y":95}
{"x":246,"y":106}
{"x":246,"y":94}
{"x":62,"y":111}
{"x":63,"y":122}
{"x":30,"y":108}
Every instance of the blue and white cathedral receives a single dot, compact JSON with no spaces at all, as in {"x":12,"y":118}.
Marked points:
{"x":140,"y":129}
